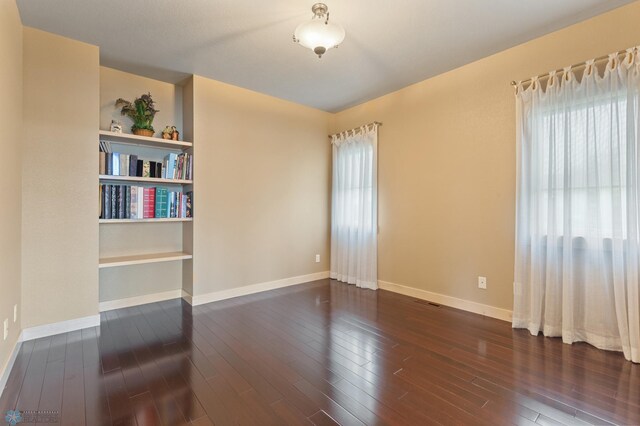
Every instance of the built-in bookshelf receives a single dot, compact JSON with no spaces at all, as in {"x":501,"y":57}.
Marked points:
{"x":173,"y":160}
{"x":141,"y":179}
{"x":145,"y":258}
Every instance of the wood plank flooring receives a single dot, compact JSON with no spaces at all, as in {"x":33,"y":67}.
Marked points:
{"x":320,"y":353}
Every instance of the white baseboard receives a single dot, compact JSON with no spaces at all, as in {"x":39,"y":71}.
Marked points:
{"x":59,"y":327}
{"x":139,"y":300}
{"x":253,"y":288}
{"x":4,"y":373}
{"x":187,"y":297}
{"x":454,"y":302}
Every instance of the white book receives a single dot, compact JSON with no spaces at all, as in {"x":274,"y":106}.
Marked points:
{"x":115,"y":164}
{"x":140,"y":200}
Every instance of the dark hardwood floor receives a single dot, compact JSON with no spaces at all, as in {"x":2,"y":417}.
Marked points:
{"x":321,"y":353}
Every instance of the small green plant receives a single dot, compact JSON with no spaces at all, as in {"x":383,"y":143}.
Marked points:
{"x":141,"y":111}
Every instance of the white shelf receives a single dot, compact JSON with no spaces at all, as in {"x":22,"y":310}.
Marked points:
{"x":139,"y":259}
{"x":125,"y":138}
{"x":145,"y":180}
{"x":162,"y":219}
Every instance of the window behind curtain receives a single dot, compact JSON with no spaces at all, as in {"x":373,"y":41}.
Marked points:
{"x":355,"y":169}
{"x":577,"y":251}
{"x":587,"y":138}
{"x":354,"y":207}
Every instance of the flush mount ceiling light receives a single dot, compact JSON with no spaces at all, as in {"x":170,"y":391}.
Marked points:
{"x":319,"y":34}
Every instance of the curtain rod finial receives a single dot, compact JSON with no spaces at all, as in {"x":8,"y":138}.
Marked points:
{"x":513,"y":83}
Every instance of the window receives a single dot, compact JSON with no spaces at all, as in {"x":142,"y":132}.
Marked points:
{"x":577,"y":257}
{"x":582,"y":157}
{"x":354,"y":208}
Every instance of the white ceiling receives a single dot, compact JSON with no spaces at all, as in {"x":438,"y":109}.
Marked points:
{"x":389,"y":44}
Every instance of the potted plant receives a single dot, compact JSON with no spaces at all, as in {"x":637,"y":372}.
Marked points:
{"x":141,"y":111}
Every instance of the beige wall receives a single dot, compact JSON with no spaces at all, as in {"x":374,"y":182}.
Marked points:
{"x":447,"y":162}
{"x":139,"y":280}
{"x":261,"y":201}
{"x":59,"y":179}
{"x":10,"y":194}
{"x":123,"y":239}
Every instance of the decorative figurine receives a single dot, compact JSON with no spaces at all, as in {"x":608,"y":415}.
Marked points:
{"x":167,"y":133}
{"x":175,"y":135}
{"x":116,"y":126}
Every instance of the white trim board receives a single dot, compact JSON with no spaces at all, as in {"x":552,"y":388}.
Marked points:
{"x":454,"y":302}
{"x":4,"y":374}
{"x":215,"y":296}
{"x":139,"y":300}
{"x":59,"y":327}
{"x":187,"y":297}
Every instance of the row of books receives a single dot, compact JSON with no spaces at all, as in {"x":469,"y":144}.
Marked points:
{"x":174,"y":166}
{"x":139,"y":202}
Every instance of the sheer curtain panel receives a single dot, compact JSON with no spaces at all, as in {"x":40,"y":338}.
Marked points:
{"x":578,"y":206}
{"x":354,"y":207}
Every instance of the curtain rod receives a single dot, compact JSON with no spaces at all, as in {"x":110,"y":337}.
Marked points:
{"x":355,"y":129}
{"x":578,"y":65}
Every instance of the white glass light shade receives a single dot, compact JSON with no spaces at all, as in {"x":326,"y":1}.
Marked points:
{"x":319,"y":35}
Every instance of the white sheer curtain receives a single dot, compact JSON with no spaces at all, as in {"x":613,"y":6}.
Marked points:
{"x":354,"y":207}
{"x":578,"y":206}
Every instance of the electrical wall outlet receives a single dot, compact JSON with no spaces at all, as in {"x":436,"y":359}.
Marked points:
{"x":6,"y":329}
{"x":15,"y":313}
{"x":317,"y":258}
{"x":482,"y":282}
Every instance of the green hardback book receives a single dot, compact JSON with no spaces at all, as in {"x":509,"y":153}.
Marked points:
{"x":162,"y":202}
